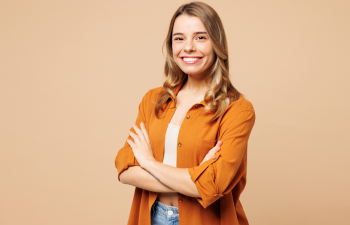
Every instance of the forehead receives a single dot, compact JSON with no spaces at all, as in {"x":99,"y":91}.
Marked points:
{"x":188,"y":24}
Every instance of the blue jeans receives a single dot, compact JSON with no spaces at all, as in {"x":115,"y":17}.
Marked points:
{"x":164,"y":214}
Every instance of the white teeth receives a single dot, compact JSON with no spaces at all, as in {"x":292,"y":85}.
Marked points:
{"x":190,"y":59}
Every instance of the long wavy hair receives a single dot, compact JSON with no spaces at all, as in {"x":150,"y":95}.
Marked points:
{"x":221,"y":92}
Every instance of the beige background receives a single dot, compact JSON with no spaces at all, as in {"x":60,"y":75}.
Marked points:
{"x":72,"y":74}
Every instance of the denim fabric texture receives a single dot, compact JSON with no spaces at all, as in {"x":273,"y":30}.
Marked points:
{"x":164,"y":214}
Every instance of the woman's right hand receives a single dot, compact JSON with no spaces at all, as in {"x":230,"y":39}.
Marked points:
{"x":212,"y":151}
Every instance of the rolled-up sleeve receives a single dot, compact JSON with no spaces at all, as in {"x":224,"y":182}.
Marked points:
{"x":219,"y":175}
{"x":125,"y":157}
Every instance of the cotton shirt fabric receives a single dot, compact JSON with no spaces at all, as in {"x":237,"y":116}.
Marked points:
{"x":219,"y":180}
{"x":170,"y":148}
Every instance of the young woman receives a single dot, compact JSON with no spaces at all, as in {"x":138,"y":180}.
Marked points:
{"x":187,"y":151}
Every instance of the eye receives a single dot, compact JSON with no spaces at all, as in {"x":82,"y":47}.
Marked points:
{"x":178,"y":39}
{"x":201,"y":38}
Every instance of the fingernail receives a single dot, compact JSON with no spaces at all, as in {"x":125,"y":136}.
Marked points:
{"x":141,"y":124}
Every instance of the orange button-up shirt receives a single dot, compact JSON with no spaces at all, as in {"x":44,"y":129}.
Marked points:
{"x":219,"y":180}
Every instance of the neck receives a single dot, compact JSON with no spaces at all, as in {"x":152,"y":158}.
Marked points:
{"x":196,"y":85}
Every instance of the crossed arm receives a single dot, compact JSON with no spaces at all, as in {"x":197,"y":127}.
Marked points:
{"x":159,"y":177}
{"x":207,"y":182}
{"x":155,"y":176}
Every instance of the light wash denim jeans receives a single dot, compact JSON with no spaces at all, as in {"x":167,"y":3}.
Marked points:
{"x":164,"y":214}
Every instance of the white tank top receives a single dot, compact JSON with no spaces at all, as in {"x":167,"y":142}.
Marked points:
{"x":170,"y":145}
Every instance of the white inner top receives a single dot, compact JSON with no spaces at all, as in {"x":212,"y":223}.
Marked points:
{"x":170,"y":145}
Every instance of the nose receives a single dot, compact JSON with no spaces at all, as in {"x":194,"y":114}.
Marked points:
{"x":190,"y":46}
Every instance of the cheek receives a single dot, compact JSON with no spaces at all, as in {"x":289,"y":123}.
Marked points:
{"x":211,"y":54}
{"x":176,"y":49}
{"x":206,"y":49}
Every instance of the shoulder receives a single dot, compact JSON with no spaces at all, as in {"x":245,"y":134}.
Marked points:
{"x":154,"y":92}
{"x":152,"y":95}
{"x":238,"y":113}
{"x":241,"y":107}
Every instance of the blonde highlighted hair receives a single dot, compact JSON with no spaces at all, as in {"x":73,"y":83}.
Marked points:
{"x":221,"y":92}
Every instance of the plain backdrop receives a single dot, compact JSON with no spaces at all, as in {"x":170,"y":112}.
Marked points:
{"x":72,"y":74}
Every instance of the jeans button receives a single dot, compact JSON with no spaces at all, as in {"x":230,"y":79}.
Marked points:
{"x":180,"y":200}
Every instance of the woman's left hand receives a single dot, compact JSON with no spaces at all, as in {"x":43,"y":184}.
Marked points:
{"x":141,"y":147}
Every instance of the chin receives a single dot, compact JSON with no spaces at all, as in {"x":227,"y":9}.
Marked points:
{"x":191,"y":72}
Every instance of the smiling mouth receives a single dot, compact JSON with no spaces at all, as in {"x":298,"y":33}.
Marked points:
{"x":191,"y":60}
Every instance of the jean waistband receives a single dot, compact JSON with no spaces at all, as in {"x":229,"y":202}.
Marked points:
{"x":166,"y":208}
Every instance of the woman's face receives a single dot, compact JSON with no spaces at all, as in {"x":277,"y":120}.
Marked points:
{"x":192,"y":49}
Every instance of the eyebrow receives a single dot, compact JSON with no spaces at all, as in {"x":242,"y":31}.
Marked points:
{"x":199,"y":32}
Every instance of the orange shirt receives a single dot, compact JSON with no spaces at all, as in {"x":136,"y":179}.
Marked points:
{"x":220,"y":180}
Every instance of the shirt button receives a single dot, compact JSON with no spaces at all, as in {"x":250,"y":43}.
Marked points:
{"x":180,"y":200}
{"x":214,"y":157}
{"x":180,"y":144}
{"x":187,"y":117}
{"x":196,"y":105}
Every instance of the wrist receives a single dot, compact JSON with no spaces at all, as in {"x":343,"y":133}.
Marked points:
{"x":150,"y":164}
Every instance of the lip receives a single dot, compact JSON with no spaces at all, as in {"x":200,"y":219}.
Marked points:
{"x":192,"y":62}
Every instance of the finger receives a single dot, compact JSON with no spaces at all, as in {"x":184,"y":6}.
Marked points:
{"x":219,"y":143}
{"x":150,"y":148}
{"x":210,"y":155}
{"x":135,"y":137}
{"x":132,"y":144}
{"x":214,"y":149}
{"x":206,"y":158}
{"x":217,"y":147}
{"x":143,"y":128}
{"x":139,"y":133}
